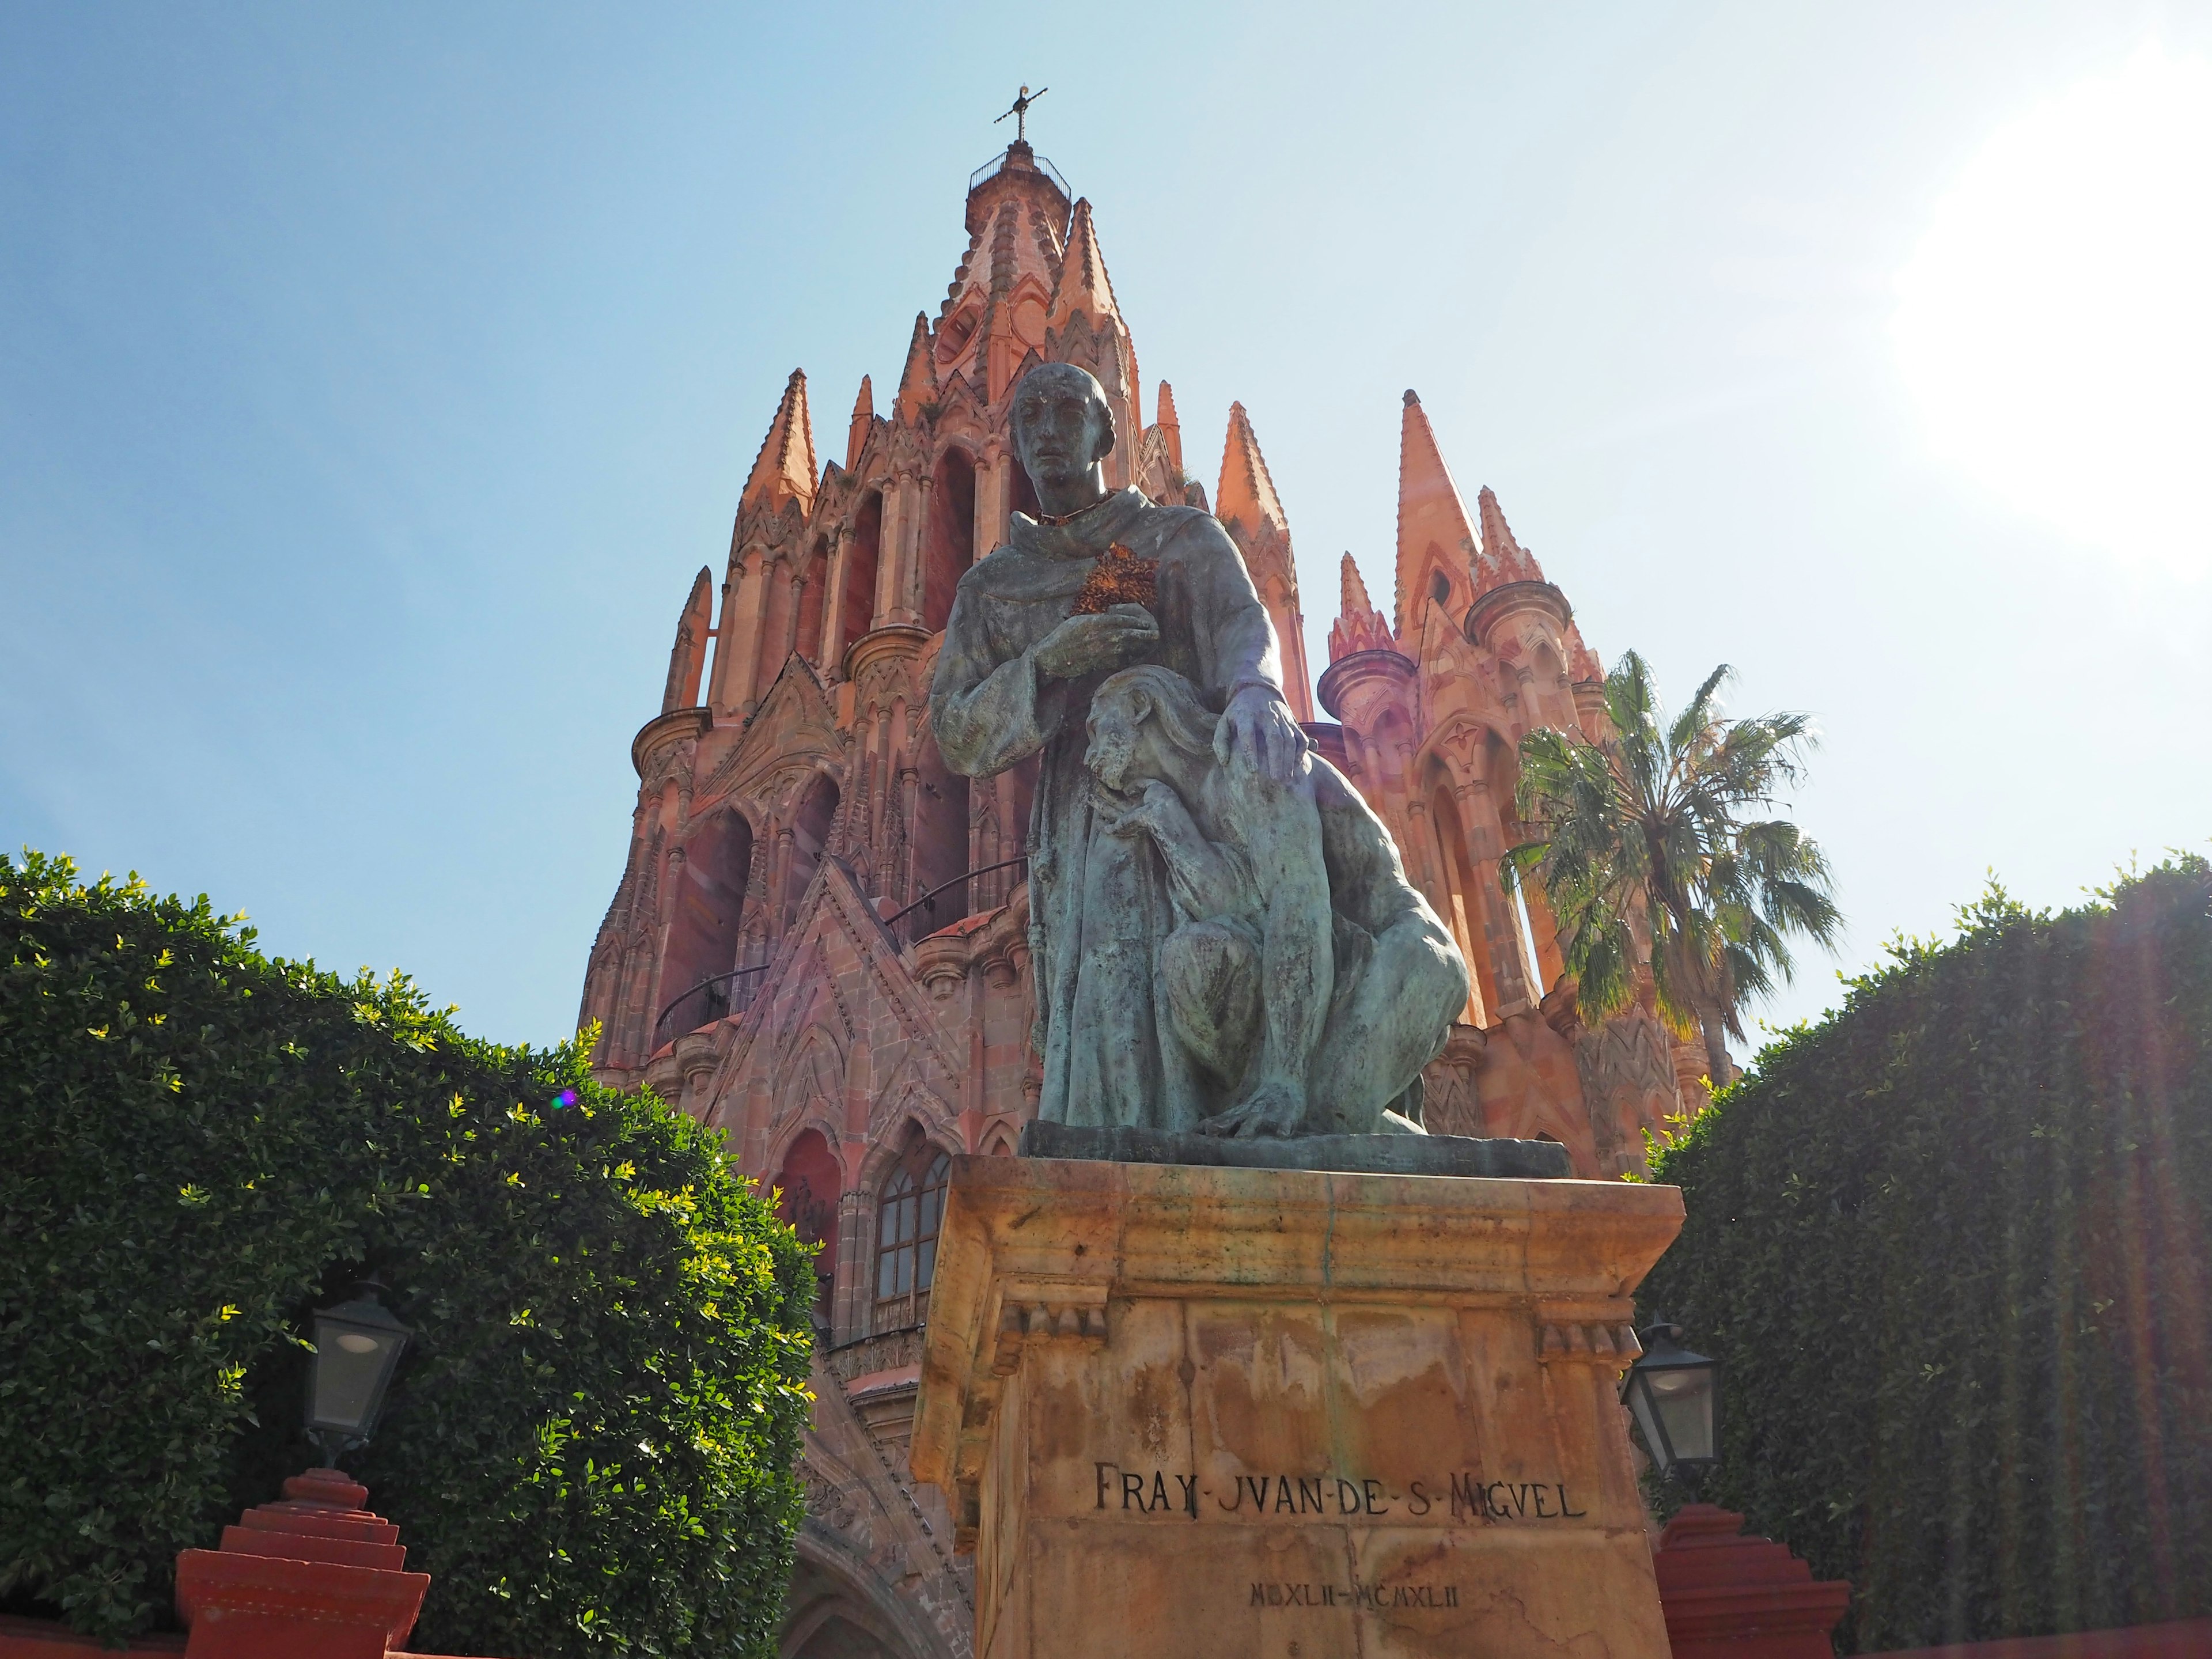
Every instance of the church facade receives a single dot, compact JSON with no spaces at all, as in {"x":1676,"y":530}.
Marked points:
{"x":820,"y":938}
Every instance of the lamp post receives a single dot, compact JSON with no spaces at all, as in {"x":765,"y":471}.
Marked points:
{"x":1675,"y":1396}
{"x":357,"y":1347}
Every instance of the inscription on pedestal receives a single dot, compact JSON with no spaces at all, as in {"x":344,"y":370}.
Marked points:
{"x":1373,"y":1597}
{"x":1460,"y":1496}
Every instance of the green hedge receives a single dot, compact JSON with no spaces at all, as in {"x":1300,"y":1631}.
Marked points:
{"x":1953,"y":1245}
{"x":589,"y":1446}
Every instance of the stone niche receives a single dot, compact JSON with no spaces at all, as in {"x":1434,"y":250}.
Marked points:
{"x":1250,"y":1413}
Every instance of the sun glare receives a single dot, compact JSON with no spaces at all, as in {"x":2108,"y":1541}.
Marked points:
{"x":2055,"y":323}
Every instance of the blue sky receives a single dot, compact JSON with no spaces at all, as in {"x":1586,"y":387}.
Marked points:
{"x":373,"y":379}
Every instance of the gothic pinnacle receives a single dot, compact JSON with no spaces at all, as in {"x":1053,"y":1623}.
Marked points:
{"x":1246,"y":492}
{"x":918,"y":380}
{"x":1084,"y":285}
{"x":864,"y":421}
{"x":1171,"y":428}
{"x":1503,"y":559}
{"x":784,"y":469}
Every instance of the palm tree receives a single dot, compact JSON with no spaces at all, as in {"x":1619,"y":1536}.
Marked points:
{"x":1644,"y":849}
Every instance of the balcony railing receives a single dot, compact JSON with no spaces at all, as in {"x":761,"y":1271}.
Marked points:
{"x":708,"y":1000}
{"x":885,"y":1350}
{"x":997,"y":165}
{"x":925,"y":909}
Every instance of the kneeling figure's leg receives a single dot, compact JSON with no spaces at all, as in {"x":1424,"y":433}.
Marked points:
{"x":1210,"y":978}
{"x":1388,"y":1026}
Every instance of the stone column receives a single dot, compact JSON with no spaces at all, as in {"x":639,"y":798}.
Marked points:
{"x":992,"y":477}
{"x":779,"y":895}
{"x":896,"y":578}
{"x":1241,"y":1413}
{"x":856,"y":1229}
{"x":890,"y":550}
{"x":917,"y":574}
{"x":833,"y":603}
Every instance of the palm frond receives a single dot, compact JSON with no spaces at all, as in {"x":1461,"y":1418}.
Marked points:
{"x":1657,"y":843}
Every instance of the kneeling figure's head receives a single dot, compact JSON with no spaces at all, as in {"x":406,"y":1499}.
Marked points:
{"x":1146,"y":722}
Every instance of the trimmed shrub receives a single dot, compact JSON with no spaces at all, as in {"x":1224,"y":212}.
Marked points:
{"x":590,"y":1444}
{"x":1951,"y":1244}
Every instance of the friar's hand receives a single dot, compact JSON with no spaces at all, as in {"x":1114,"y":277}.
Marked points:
{"x":1257,"y":728}
{"x":1089,"y":645}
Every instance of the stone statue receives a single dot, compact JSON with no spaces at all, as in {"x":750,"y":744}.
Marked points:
{"x":1224,"y":940}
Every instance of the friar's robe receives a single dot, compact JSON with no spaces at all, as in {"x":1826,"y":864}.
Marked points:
{"x":1098,"y":903}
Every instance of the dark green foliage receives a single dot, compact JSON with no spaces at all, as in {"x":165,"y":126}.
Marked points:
{"x":590,"y":1445}
{"x":1953,"y":1245}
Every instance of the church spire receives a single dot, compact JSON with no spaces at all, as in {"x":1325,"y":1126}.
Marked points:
{"x":1249,"y":510}
{"x":1436,"y":541}
{"x":783,"y":471}
{"x":864,"y":421}
{"x":918,"y":380}
{"x":1246,"y":491}
{"x":1171,"y":428}
{"x":1084,"y":285}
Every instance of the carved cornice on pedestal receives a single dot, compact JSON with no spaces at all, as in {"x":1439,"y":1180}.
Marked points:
{"x":1614,"y":1347}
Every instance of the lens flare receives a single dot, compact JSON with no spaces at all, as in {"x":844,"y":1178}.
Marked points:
{"x":2053,"y":324}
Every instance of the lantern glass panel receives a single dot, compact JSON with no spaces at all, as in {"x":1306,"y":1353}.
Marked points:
{"x":357,"y":1347}
{"x":348,"y":1364}
{"x":1683,"y":1402}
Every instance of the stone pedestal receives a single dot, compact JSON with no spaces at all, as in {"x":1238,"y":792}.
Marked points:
{"x":1731,"y":1597}
{"x":315,"y":1574}
{"x":1248,"y":1413}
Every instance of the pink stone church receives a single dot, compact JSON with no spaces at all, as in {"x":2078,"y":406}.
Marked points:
{"x":820,"y":939}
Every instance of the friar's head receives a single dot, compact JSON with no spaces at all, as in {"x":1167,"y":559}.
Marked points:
{"x":1063,"y":432}
{"x":1146,"y":722}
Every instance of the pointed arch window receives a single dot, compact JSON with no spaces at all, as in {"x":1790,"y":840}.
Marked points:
{"x":908,"y":1217}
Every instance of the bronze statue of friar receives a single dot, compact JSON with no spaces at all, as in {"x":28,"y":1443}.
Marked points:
{"x":1224,"y":940}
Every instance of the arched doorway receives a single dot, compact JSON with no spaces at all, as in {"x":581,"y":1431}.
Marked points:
{"x":813,"y":587}
{"x":832,"y":1612}
{"x":951,"y":545}
{"x":710,"y":898}
{"x":940,"y":843}
{"x":810,"y":839}
{"x":863,"y":550}
{"x":1463,"y":903}
{"x":807,"y":1198}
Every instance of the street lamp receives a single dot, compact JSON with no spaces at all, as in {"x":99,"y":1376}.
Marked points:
{"x":1675,"y":1396}
{"x":357,"y":1347}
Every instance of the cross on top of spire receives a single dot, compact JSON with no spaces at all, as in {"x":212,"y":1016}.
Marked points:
{"x":1020,"y":111}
